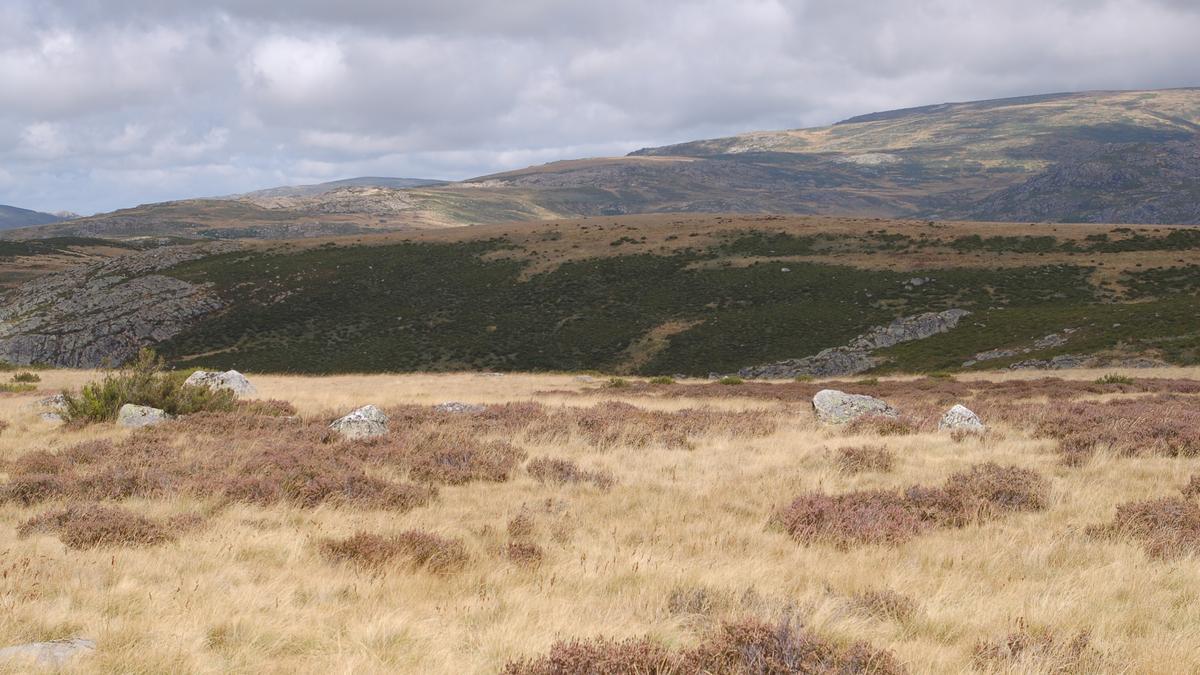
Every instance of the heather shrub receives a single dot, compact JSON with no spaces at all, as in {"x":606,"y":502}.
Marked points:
{"x":882,"y":425}
{"x":1040,"y":651}
{"x":1168,"y":527}
{"x":860,"y":459}
{"x":562,"y":472}
{"x":1192,"y":489}
{"x":521,"y":526}
{"x":145,"y":381}
{"x":416,"y":548}
{"x":747,"y":646}
{"x":731,"y":380}
{"x":884,"y":605}
{"x":32,"y":488}
{"x":525,"y":553}
{"x":662,"y":379}
{"x":89,"y":525}
{"x":457,"y":462}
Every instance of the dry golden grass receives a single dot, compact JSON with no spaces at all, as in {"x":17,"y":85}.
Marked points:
{"x":677,"y":546}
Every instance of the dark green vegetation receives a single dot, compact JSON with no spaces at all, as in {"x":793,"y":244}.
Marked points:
{"x":449,"y":306}
{"x":143,"y":382}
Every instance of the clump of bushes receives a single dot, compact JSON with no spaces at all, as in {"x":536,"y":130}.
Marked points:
{"x":731,"y":380}
{"x":416,"y":548}
{"x":746,"y":646}
{"x":1044,"y":651}
{"x":1113,"y":378}
{"x":662,"y":379}
{"x":88,"y":525}
{"x":617,"y":383}
{"x":1167,"y":527}
{"x":884,"y":517}
{"x":144,"y":381}
{"x":27,"y":377}
{"x":563,"y":471}
{"x":860,"y":459}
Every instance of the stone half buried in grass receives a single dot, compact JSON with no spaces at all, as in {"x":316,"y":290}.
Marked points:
{"x":230,"y":379}
{"x":131,"y":415}
{"x":838,"y":407}
{"x":459,"y":408}
{"x":365,"y":422}
{"x":52,"y":654}
{"x":961,"y":419}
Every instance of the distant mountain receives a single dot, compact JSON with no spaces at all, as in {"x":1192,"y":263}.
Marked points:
{"x":12,"y":216}
{"x":318,"y":189}
{"x":1104,"y":156}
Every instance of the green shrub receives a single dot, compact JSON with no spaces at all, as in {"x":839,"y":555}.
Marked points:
{"x":941,"y":375}
{"x":16,"y":387}
{"x":27,"y":376}
{"x":145,"y":381}
{"x":617,"y":383}
{"x":731,"y":379}
{"x":662,"y":379}
{"x":1113,"y":378}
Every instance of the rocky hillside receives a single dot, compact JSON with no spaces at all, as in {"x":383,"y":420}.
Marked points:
{"x":1084,"y":157}
{"x":636,"y":294}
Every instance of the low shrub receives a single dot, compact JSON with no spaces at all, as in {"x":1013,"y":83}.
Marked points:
{"x":521,"y":526}
{"x":145,"y":381}
{"x":525,"y":553}
{"x":16,"y":387}
{"x":1041,"y":651}
{"x":731,"y":380}
{"x":27,"y":377}
{"x":455,"y":464}
{"x":860,"y":459}
{"x":662,"y":379}
{"x":563,"y":471}
{"x":418,"y":548}
{"x":1168,"y":527}
{"x":89,"y":525}
{"x":1113,"y":378}
{"x":617,"y":383}
{"x":746,"y":646}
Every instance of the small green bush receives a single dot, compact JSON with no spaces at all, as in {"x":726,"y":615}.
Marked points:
{"x":1113,"y":378}
{"x":16,"y":387}
{"x":617,"y":383}
{"x":27,"y":376}
{"x":941,"y":375}
{"x":804,"y":378}
{"x":662,"y":379}
{"x":731,"y":379}
{"x":145,"y":381}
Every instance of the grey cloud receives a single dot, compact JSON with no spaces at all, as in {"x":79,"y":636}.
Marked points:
{"x":107,"y":104}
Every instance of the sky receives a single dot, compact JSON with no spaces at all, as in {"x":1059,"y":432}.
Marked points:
{"x":112,"y":103}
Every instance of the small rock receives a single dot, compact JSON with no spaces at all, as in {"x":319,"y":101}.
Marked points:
{"x":131,"y":415}
{"x":961,"y":418}
{"x":838,"y":407}
{"x":458,"y":407}
{"x":55,"y":403}
{"x":52,"y":417}
{"x":365,"y":422}
{"x":230,"y":379}
{"x":585,"y":379}
{"x":52,"y":654}
{"x":785,"y":269}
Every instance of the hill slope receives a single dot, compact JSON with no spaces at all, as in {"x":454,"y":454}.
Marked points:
{"x":641,"y":294}
{"x":13,"y":217}
{"x":1084,"y":157}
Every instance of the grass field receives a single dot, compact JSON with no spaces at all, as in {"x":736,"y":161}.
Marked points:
{"x":227,"y":542}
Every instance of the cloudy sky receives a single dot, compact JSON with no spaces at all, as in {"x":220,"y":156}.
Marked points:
{"x":111,"y":103}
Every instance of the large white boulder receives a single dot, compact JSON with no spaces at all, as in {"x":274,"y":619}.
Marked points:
{"x":961,"y":418}
{"x":131,"y":415}
{"x":230,"y":379}
{"x":365,"y":422}
{"x":838,"y":407}
{"x":52,"y":654}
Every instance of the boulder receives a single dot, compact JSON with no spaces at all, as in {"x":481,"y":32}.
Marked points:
{"x":365,"y":422}
{"x":458,"y":407}
{"x":838,"y":407}
{"x":230,"y":379}
{"x":131,"y":415}
{"x":961,"y":418}
{"x":52,"y":654}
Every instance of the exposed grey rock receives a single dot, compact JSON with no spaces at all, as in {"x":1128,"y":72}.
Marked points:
{"x":230,"y":379}
{"x":52,"y":654}
{"x":55,"y":403}
{"x":104,"y":311}
{"x":1068,"y":361}
{"x":585,"y":379}
{"x":52,"y":417}
{"x":856,"y":356}
{"x":365,"y":422}
{"x":458,"y":407}
{"x":961,"y":418}
{"x":1049,"y":341}
{"x":838,"y":407}
{"x":131,"y":415}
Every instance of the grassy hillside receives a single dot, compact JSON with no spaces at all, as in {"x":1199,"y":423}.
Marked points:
{"x":694,"y":295}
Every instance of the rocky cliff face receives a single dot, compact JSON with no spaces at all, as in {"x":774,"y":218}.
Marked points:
{"x":856,"y":357}
{"x":103,"y":312}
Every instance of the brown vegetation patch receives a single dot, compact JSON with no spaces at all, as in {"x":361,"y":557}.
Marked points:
{"x":1041,"y":651}
{"x":88,"y":525}
{"x":417,"y":548}
{"x":1162,"y":425}
{"x":525,"y":553}
{"x":747,"y":646}
{"x":885,"y":605}
{"x":882,"y":425}
{"x":884,"y":517}
{"x":563,"y":471}
{"x":864,"y":458}
{"x":1167,"y":527}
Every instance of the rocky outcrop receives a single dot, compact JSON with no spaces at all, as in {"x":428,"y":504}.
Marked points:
{"x":856,"y":356}
{"x":961,"y":419}
{"x":230,"y":379}
{"x":1069,"y":361}
{"x":838,"y":407}
{"x":131,"y":415}
{"x":459,"y":408}
{"x":51,"y":654}
{"x":365,"y":422}
{"x":103,"y":312}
